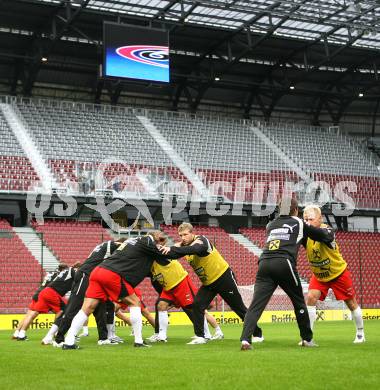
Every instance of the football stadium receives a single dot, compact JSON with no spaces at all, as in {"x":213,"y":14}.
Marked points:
{"x":189,"y":194}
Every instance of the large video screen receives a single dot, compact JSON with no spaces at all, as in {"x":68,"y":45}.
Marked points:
{"x":136,"y":52}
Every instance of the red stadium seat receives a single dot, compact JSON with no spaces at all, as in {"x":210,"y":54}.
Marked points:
{"x":20,"y":272}
{"x":72,"y":241}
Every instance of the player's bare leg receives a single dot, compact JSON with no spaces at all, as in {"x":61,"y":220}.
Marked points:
{"x":48,"y":339}
{"x":89,"y":305}
{"x":206,"y":328}
{"x":16,"y":332}
{"x":356,"y":313}
{"x":311,"y":303}
{"x":218,"y":335}
{"x":163,"y":319}
{"x":119,"y":314}
{"x":136,"y":318}
{"x":111,"y":327}
{"x":28,"y":319}
{"x":148,"y":316}
{"x":84,"y":330}
{"x":163,"y":322}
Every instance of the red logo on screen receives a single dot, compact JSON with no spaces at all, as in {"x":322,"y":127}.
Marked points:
{"x":150,"y":55}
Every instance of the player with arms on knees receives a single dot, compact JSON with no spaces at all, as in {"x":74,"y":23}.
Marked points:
{"x":329,"y":271}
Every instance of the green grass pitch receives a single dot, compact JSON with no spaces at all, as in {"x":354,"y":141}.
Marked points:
{"x":278,"y":363}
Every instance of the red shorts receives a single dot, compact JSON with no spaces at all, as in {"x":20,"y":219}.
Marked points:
{"x":138,"y":292}
{"x":182,"y":294}
{"x":105,"y":284}
{"x":48,"y":300}
{"x":342,"y":286}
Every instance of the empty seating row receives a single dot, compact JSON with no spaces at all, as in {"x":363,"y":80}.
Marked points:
{"x":71,"y":241}
{"x":20,"y":272}
{"x":16,"y":171}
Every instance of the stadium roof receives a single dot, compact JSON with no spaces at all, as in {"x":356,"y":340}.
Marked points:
{"x":338,"y":21}
{"x":296,"y":53}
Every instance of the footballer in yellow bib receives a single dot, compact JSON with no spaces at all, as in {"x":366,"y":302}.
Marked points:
{"x":325,"y":260}
{"x":214,"y":273}
{"x":168,"y":276}
{"x":329,"y":271}
{"x":210,"y":267}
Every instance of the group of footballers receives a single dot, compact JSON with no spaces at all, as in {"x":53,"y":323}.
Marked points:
{"x":106,"y":284}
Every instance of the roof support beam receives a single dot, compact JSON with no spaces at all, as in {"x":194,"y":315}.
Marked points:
{"x":98,"y":90}
{"x":234,"y":60}
{"x":17,"y":72}
{"x":177,"y":95}
{"x":294,"y":53}
{"x":247,"y":105}
{"x":42,"y":47}
{"x":115,"y":90}
{"x":374,"y":117}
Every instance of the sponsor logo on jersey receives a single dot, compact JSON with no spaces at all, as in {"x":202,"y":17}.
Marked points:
{"x":274,"y":245}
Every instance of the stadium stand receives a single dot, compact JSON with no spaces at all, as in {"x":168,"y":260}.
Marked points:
{"x":71,"y":241}
{"x":223,"y":150}
{"x":76,"y":138}
{"x":20,"y":272}
{"x":361,"y":251}
{"x":16,"y":171}
{"x":330,"y":157}
{"x":228,"y":152}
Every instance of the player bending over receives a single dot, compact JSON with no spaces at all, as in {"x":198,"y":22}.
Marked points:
{"x":116,"y":278}
{"x":79,"y":287}
{"x":49,"y":298}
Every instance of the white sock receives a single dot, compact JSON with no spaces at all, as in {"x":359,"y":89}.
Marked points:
{"x":109,"y":331}
{"x":85,"y":330}
{"x":218,"y":330}
{"x":75,"y":327}
{"x":312,"y":315}
{"x":21,"y":333}
{"x":358,"y":319}
{"x":136,"y":319}
{"x":51,"y":333}
{"x":163,"y":319}
{"x":15,"y":334}
{"x":113,"y":330}
{"x":206,"y":329}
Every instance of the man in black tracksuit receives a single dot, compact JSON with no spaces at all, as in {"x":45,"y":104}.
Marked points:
{"x":81,"y":280}
{"x":277,"y":267}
